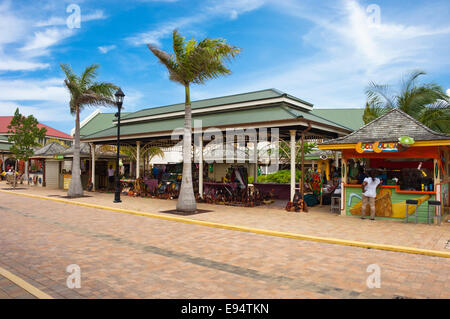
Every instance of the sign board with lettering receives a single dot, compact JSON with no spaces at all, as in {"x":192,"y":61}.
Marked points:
{"x":377,"y":147}
{"x":67,"y":178}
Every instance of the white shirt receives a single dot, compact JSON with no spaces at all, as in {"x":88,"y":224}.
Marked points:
{"x":371,"y":187}
{"x":110,"y":172}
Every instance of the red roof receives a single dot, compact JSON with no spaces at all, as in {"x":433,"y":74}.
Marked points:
{"x":51,"y":132}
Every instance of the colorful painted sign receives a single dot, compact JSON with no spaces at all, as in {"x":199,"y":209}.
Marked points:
{"x":58,"y":156}
{"x":377,"y":147}
{"x":67,"y":179}
{"x":389,"y":203}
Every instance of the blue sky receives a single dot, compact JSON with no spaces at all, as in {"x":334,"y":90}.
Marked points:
{"x":324,"y":52}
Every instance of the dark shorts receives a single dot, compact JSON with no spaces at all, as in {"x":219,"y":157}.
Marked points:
{"x":111,"y":179}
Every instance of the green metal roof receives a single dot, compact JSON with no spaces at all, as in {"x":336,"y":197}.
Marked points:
{"x":224,"y":100}
{"x":99,"y":122}
{"x":4,"y":144}
{"x":276,"y":112}
{"x":351,"y":118}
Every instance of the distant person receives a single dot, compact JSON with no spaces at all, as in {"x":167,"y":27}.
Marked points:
{"x":111,"y":176}
{"x":369,"y":189}
{"x":382,"y":175}
{"x":361,"y":176}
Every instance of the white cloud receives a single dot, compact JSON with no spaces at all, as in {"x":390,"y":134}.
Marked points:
{"x":51,"y":89}
{"x":43,"y":112}
{"x":7,"y":64}
{"x":349,"y":52}
{"x":60,"y":21}
{"x":154,"y":36}
{"x":42,"y":98}
{"x":210,"y":10}
{"x":22,"y":42}
{"x":11,"y":26}
{"x":448,"y":92}
{"x":106,"y":49}
{"x":42,"y":40}
{"x":233,"y":8}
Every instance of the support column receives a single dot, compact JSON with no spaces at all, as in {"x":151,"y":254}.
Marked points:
{"x":437,"y":185}
{"x":200,"y":166}
{"x":292,"y":133}
{"x":344,"y":177}
{"x":93,"y":166}
{"x":138,"y":159}
{"x":255,"y":160}
{"x":336,"y":160}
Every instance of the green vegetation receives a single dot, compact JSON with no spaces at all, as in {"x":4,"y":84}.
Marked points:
{"x":25,"y":135}
{"x":427,"y":103}
{"x":285,"y":151}
{"x":283,"y":177}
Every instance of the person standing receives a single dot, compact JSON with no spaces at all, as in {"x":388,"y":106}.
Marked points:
{"x":369,"y":193}
{"x":111,"y":177}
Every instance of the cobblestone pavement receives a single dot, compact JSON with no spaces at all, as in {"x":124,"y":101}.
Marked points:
{"x":130,"y":256}
{"x":9,"y":290}
{"x":318,"y":222}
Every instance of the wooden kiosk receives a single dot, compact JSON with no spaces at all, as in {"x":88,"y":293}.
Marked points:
{"x":415,"y":171}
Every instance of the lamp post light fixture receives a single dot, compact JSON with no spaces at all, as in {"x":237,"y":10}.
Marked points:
{"x":119,"y":101}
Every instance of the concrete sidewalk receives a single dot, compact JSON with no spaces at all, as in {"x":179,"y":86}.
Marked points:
{"x":318,"y":222}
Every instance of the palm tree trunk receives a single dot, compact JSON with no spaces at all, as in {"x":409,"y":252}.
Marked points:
{"x":26,"y":172}
{"x":186,"y":200}
{"x":75,"y":187}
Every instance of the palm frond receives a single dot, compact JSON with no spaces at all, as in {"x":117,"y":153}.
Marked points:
{"x":208,"y":59}
{"x":169,"y":62}
{"x":88,"y":75}
{"x":409,"y":81}
{"x":105,"y":89}
{"x":94,"y":99}
{"x":436,"y":116}
{"x":196,"y":62}
{"x":70,"y":75}
{"x":381,"y":92}
{"x":151,"y":151}
{"x":178,"y":44}
{"x":373,"y":110}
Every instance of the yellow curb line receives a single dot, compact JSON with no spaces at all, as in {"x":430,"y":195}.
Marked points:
{"x":24,"y":285}
{"x":402,"y":249}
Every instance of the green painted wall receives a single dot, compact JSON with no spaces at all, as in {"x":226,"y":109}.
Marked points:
{"x":395,"y":198}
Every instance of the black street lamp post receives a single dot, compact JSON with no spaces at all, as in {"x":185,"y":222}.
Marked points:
{"x":119,"y":101}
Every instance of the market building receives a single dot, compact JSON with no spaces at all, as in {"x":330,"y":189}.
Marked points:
{"x":51,"y":165}
{"x":6,"y":156}
{"x":412,"y":160}
{"x":264,"y":112}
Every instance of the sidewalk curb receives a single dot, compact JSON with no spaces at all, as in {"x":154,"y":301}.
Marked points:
{"x":24,"y":285}
{"x":343,"y":242}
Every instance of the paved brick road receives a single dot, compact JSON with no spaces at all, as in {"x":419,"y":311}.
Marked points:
{"x":9,"y":290}
{"x":131,"y":256}
{"x":319,"y":222}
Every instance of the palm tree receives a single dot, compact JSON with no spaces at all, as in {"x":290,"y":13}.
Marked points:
{"x":373,"y":110}
{"x":285,"y":150}
{"x":84,"y":91}
{"x":193,"y":63}
{"x":427,"y":103}
{"x":148,"y":150}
